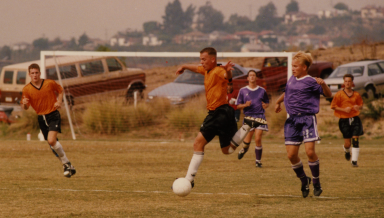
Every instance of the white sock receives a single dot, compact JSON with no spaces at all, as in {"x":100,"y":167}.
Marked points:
{"x":194,"y":165}
{"x":355,"y":153}
{"x":238,"y":138}
{"x":346,"y":149}
{"x":59,"y":151}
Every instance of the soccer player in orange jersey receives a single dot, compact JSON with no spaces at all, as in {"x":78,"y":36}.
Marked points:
{"x":347,"y":105}
{"x":45,"y":96}
{"x":221,"y":117}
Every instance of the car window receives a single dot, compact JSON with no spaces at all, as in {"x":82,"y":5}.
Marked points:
{"x":8,"y":77}
{"x":92,"y":68}
{"x":341,"y":71}
{"x":236,"y":72}
{"x":275,"y":62}
{"x":66,"y":72}
{"x":381,"y":64}
{"x":21,"y":77}
{"x":190,"y":78}
{"x":374,"y":69}
{"x":113,"y":65}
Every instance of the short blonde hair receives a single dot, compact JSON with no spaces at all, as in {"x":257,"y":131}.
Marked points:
{"x":303,"y":58}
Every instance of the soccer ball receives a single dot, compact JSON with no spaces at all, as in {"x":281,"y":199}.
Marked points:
{"x":182,"y":187}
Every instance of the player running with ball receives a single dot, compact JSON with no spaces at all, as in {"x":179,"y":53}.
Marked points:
{"x":301,"y":99}
{"x":45,"y":97}
{"x":253,"y":99}
{"x":221,"y":118}
{"x":347,"y":105}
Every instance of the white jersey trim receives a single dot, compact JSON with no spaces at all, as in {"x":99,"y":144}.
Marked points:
{"x":305,"y":77}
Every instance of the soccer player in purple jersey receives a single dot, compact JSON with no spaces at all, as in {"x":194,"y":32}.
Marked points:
{"x":301,"y":99}
{"x":253,"y":99}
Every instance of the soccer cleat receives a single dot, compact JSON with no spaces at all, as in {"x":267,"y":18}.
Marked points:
{"x":317,"y":189}
{"x":254,"y":122}
{"x":241,"y":153}
{"x":354,"y":164}
{"x":305,"y":188}
{"x":258,"y":164}
{"x":69,"y":170}
{"x":347,"y":155}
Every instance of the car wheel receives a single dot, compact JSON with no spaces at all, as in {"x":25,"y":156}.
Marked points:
{"x":371,"y":92}
{"x":131,"y":93}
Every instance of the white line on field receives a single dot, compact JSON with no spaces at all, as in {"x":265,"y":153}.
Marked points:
{"x":201,"y":193}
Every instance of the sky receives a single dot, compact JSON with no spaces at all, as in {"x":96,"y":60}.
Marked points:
{"x":27,"y":20}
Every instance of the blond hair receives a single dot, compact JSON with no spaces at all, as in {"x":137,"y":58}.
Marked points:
{"x":304,"y":58}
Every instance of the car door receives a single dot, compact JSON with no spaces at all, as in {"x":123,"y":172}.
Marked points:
{"x":376,"y":74}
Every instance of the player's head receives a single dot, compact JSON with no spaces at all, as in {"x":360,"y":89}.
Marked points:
{"x":208,"y":58}
{"x":348,"y":81}
{"x":301,"y":63}
{"x":34,"y":72}
{"x":252,"y":76}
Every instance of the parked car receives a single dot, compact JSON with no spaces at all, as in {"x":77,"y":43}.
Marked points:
{"x":190,"y":84}
{"x":367,"y":76}
{"x":81,"y":76}
{"x":274,"y":72}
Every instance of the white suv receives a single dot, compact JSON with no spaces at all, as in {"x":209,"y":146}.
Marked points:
{"x":367,"y":76}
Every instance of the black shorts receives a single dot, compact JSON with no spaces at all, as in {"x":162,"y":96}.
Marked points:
{"x":351,"y":127}
{"x":50,"y":122}
{"x":220,"y":122}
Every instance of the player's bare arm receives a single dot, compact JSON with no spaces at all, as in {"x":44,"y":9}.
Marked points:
{"x":346,"y":110}
{"x":242,"y":106}
{"x":190,"y":67}
{"x":326,"y":90}
{"x":278,"y":102}
{"x":59,"y":101}
{"x":228,"y":68}
{"x":357,"y":107}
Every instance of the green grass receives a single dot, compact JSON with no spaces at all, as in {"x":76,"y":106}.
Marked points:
{"x":133,"y":179}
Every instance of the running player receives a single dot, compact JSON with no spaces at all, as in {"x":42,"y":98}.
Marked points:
{"x":301,"y":99}
{"x":45,"y":96}
{"x":253,"y":99}
{"x":221,"y":118}
{"x":347,"y":105}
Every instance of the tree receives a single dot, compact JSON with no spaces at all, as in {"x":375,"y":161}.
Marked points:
{"x":341,"y":6}
{"x":267,"y":17}
{"x":293,"y":6}
{"x":5,"y":53}
{"x":72,"y":45}
{"x":238,"y":23}
{"x":175,"y":20}
{"x":209,"y":19}
{"x":83,"y":40}
{"x":317,"y":30}
{"x":151,"y":27}
{"x":56,"y":41}
{"x":41,"y":43}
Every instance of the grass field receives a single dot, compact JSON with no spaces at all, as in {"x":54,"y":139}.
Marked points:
{"x":134,"y":178}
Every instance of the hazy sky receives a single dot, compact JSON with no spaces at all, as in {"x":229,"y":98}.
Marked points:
{"x":27,"y":20}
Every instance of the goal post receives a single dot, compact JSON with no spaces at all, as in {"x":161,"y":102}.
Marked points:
{"x":134,"y":89}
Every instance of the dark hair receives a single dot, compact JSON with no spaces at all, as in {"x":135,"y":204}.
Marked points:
{"x":33,"y":66}
{"x":348,"y":75}
{"x":252,"y":71}
{"x":211,"y":51}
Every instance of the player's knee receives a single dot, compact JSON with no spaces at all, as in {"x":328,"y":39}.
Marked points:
{"x":228,"y":150}
{"x":355,"y":142}
{"x":292,"y":156}
{"x":52,"y":142}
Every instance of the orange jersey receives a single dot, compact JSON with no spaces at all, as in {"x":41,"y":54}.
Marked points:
{"x":342,"y":100}
{"x":215,"y":86}
{"x":42,"y":100}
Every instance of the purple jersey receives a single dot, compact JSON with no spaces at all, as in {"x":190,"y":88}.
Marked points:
{"x":302,"y":96}
{"x":256,"y":96}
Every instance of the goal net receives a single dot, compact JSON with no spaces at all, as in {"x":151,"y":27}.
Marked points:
{"x":138,"y":95}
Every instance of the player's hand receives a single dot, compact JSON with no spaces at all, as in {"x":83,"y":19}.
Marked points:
{"x":264,"y":105}
{"x":57,"y":105}
{"x":320,"y":81}
{"x":356,"y":107}
{"x":179,"y":71}
{"x":347,"y":109}
{"x":278,"y":108}
{"x":229,"y":66}
{"x":25,"y":101}
{"x":248,"y":103}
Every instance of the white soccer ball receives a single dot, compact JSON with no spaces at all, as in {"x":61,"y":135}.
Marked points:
{"x":182,"y":187}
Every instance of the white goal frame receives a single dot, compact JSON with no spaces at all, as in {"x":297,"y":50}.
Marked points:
{"x":43,"y":55}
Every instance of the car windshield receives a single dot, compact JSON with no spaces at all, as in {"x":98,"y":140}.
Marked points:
{"x":341,"y":71}
{"x":190,"y":78}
